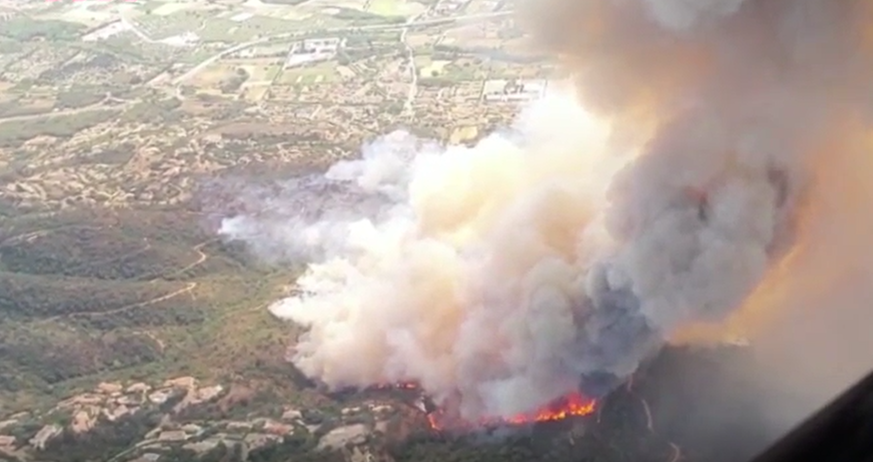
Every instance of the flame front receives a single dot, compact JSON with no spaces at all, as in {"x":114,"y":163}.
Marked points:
{"x":572,"y":405}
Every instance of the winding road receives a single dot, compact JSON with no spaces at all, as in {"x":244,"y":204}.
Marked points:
{"x":189,"y":287}
{"x":410,"y":58}
{"x":677,"y":451}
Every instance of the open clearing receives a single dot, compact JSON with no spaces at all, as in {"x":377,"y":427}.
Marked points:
{"x":319,"y":73}
{"x":169,"y":8}
{"x":429,"y":68}
{"x":321,"y":4}
{"x":255,"y":93}
{"x":226,"y":29}
{"x":395,"y":8}
{"x":158,"y":27}
{"x":213,"y":75}
{"x":259,"y":70}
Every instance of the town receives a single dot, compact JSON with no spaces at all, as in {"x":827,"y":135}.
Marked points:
{"x":115,"y":119}
{"x":119,"y":103}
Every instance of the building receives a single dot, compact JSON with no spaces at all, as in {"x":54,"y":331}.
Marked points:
{"x":513,"y":90}
{"x":313,"y":50}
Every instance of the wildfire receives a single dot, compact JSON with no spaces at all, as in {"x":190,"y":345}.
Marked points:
{"x":572,"y":405}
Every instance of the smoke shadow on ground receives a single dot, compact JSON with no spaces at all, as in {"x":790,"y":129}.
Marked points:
{"x":703,"y":401}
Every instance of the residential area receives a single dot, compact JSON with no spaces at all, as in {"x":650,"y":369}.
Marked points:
{"x":131,"y":108}
{"x":120,"y":103}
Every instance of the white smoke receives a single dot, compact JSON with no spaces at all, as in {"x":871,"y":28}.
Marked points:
{"x":564,"y":252}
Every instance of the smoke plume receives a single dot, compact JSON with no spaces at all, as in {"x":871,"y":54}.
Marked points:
{"x":675,"y":176}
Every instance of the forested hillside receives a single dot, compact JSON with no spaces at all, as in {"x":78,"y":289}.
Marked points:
{"x":89,"y":295}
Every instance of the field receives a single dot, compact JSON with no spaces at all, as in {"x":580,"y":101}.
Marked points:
{"x":213,"y":76}
{"x":160,"y":27}
{"x":318,"y":73}
{"x":261,"y":75}
{"x":404,"y":8}
{"x":167,"y":9}
{"x":226,"y":29}
{"x":428,"y":67}
{"x":86,"y":15}
{"x":259,"y":70}
{"x":16,"y":131}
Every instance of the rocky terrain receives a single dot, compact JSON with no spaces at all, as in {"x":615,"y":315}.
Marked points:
{"x":703,"y":418}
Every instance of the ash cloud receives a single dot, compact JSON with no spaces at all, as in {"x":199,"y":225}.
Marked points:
{"x":662,"y":189}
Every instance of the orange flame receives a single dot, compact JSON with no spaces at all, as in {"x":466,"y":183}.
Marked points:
{"x":572,"y":405}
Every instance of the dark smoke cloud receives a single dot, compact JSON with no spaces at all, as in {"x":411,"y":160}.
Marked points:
{"x":696,"y":148}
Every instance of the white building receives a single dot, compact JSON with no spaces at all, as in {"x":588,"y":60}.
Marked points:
{"x":313,"y":50}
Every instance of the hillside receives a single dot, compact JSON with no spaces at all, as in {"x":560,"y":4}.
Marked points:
{"x":87,"y":295}
{"x":678,"y":408}
{"x":169,"y":330}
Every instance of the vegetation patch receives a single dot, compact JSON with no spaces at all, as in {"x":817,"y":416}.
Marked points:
{"x":14,"y":133}
{"x":26,"y":29}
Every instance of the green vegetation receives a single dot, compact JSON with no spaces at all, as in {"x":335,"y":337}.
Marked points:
{"x":75,"y":98}
{"x":160,"y":27}
{"x":364,"y":18}
{"x":25,"y":296}
{"x":102,"y":443}
{"x":8,"y":46}
{"x":14,"y":133}
{"x":233,"y":83}
{"x":16,"y":107}
{"x":310,"y":74}
{"x":38,"y":357}
{"x":153,"y":111}
{"x":27,"y":29}
{"x":297,"y":448}
{"x":87,"y":295}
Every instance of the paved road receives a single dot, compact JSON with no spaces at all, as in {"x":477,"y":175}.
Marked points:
{"x":404,"y":26}
{"x":410,"y":57}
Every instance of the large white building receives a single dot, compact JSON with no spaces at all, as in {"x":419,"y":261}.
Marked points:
{"x":313,"y":50}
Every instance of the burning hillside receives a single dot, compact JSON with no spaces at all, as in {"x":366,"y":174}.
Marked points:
{"x":661,"y":189}
{"x":571,"y":405}
{"x":574,"y":404}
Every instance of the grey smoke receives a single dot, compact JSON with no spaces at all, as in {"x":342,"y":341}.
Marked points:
{"x":570,"y":250}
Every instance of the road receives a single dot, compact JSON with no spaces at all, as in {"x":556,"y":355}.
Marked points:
{"x":677,"y":451}
{"x":285,"y":35}
{"x":410,"y":57}
{"x":188,"y":288}
{"x":66,"y":112}
{"x":201,"y":257}
{"x":413,"y":72}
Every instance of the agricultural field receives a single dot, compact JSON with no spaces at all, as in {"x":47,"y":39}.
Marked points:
{"x":213,"y":76}
{"x":429,"y":67}
{"x":260,"y":71}
{"x":405,"y":8}
{"x":313,"y":74}
{"x":159,"y":27}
